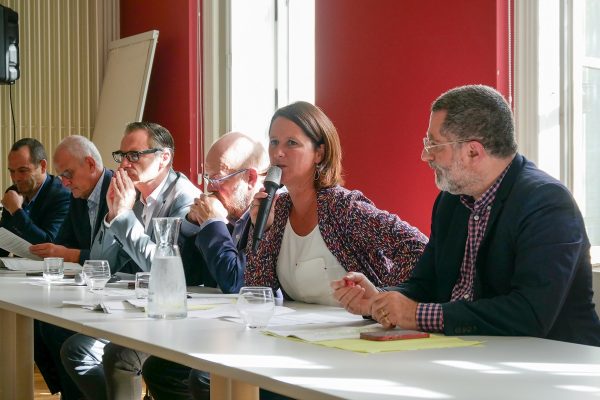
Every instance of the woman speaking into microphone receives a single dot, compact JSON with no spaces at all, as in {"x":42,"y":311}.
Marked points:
{"x":318,"y":231}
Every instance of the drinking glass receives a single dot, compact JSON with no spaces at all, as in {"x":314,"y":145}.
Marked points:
{"x":142,"y":280}
{"x":53,"y":269}
{"x":255,"y":305}
{"x":96,"y":273}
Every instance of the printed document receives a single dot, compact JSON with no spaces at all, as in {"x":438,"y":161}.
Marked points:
{"x":14,"y":244}
{"x":25,"y":265}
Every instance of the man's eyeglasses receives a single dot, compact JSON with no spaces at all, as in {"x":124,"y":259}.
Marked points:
{"x":132,"y":156}
{"x":66,"y":174}
{"x":214,"y":185}
{"x":430,"y":147}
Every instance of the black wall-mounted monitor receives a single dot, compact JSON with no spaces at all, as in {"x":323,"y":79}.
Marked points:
{"x":9,"y":45}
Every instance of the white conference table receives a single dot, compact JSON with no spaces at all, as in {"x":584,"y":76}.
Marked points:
{"x":240,"y":360}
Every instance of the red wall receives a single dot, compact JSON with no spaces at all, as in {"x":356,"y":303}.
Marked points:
{"x":173,"y":95}
{"x":379,"y":66}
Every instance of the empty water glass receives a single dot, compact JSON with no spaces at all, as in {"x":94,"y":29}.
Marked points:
{"x":53,"y":269}
{"x":255,"y":305}
{"x":142,"y":280}
{"x":96,"y":274}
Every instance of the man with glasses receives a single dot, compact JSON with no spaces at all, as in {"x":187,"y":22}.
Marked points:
{"x":508,"y":252}
{"x":37,"y":203}
{"x":79,"y":165}
{"x":219,"y":218}
{"x":144,"y":187}
{"x":219,"y":221}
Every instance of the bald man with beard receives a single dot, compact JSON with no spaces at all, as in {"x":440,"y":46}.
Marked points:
{"x":215,"y":232}
{"x":233,"y":174}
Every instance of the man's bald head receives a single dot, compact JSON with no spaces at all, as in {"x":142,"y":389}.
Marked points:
{"x":235,"y":163}
{"x":236,"y":151}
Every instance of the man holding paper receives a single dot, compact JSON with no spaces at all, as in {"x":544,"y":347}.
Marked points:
{"x":36,"y":205}
{"x":79,"y":165}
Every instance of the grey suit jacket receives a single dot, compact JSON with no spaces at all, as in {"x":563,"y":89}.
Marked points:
{"x":126,"y":240}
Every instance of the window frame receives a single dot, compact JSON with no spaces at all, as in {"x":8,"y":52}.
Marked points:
{"x":527,"y":119}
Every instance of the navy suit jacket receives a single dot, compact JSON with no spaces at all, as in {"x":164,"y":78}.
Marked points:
{"x":76,"y":232}
{"x":533,"y":273}
{"x":212,"y":257}
{"x":45,"y":217}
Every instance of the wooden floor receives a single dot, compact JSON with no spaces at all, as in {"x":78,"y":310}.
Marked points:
{"x":41,"y":391}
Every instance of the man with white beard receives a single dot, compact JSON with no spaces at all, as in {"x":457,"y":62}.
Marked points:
{"x":234,"y":172}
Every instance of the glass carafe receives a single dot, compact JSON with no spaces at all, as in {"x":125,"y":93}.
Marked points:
{"x":167,"y":291}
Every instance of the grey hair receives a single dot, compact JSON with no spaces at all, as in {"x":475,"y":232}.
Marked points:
{"x":81,"y":147}
{"x":478,"y":112}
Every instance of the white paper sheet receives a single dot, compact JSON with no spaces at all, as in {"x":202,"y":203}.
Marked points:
{"x":14,"y":244}
{"x":26,"y":265}
{"x":229,"y":311}
{"x":59,"y":282}
{"x":108,"y":300}
{"x":318,"y":332}
{"x":111,"y":306}
{"x":195,"y":303}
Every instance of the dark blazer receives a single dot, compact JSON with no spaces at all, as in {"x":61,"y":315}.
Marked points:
{"x":45,"y":217}
{"x":76,"y":232}
{"x":533,"y":273}
{"x":211,"y":257}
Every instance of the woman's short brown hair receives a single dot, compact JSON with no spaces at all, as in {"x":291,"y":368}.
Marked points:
{"x":321,"y":131}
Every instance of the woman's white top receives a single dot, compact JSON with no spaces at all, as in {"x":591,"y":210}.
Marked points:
{"x":306,"y":266}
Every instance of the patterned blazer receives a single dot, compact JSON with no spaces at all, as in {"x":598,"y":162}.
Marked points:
{"x":361,"y":237}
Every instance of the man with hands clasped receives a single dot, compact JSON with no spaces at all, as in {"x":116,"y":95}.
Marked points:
{"x":508,"y":252}
{"x":217,"y":226}
{"x":145,"y":186}
{"x":359,"y":296}
{"x":218,"y":221}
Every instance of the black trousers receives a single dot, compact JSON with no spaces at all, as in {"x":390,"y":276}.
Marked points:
{"x":167,"y":380}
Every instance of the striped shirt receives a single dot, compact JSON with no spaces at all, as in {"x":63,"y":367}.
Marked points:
{"x":430,"y":316}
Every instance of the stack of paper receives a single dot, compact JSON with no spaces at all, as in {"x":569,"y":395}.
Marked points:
{"x":26,"y":265}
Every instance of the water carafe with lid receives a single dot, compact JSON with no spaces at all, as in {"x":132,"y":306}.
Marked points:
{"x":167,"y":289}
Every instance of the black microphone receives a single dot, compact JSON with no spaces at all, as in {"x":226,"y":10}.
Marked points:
{"x":271,"y":185}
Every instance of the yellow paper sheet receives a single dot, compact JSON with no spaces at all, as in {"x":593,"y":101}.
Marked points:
{"x":372,"y":346}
